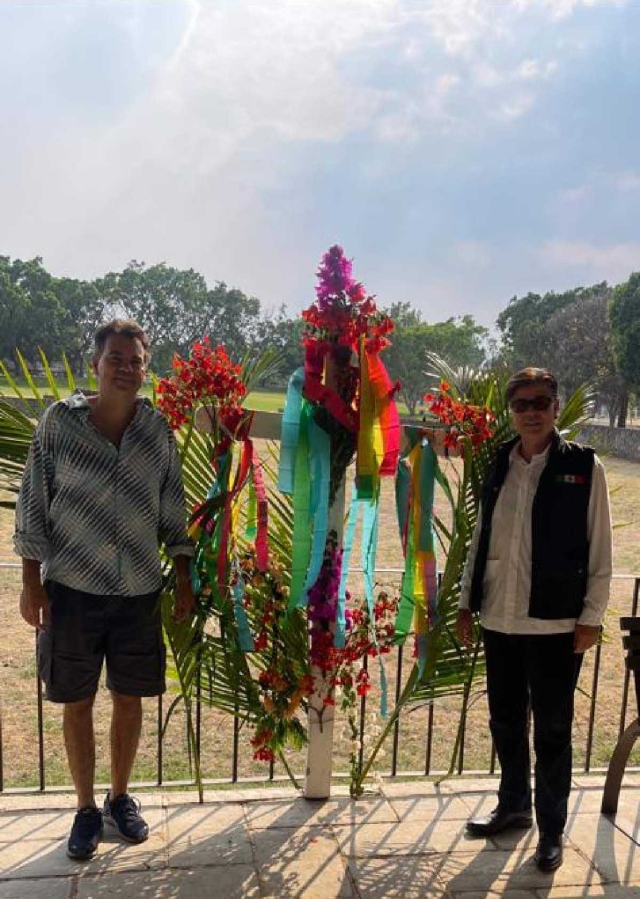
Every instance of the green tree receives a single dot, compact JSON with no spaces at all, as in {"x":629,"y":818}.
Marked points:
{"x":164,"y":300}
{"x":460,"y":342}
{"x":281,"y":332}
{"x":32,"y":311}
{"x":40,"y":311}
{"x":624,"y":313}
{"x":577,"y":346}
{"x":230,"y":317}
{"x":175,"y":307}
{"x":523,"y":324}
{"x":86,"y":309}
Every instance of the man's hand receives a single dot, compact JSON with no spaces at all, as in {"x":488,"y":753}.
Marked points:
{"x":464,"y":627}
{"x":585,"y":637}
{"x":184,"y":604}
{"x":34,"y":605}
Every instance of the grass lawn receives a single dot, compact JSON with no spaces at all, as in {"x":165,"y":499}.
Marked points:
{"x":260,"y":400}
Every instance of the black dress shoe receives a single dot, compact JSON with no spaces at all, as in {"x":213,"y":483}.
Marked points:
{"x":548,"y":855}
{"x":499,"y":820}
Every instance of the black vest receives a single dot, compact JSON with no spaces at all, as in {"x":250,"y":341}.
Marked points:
{"x":560,"y":547}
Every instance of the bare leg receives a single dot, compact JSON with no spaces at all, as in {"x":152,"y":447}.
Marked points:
{"x":126,"y":725}
{"x":77,"y":723}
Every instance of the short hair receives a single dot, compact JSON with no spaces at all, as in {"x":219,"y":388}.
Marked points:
{"x":126,"y":326}
{"x":531,"y":375}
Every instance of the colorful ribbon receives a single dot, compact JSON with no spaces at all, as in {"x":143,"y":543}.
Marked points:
{"x":415,"y":484}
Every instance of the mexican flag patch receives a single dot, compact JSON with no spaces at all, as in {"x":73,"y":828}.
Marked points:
{"x":571,"y":479}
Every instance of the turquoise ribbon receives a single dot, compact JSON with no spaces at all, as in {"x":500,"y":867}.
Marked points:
{"x":290,"y":432}
{"x":302,"y":519}
{"x":320,"y":465}
{"x":245,"y":639}
{"x":370,"y":527}
{"x":403,"y":490}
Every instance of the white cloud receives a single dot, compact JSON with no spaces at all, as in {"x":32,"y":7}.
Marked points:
{"x":560,"y":9}
{"x":573,"y":195}
{"x":515,"y":107}
{"x":610,"y":261}
{"x":471,"y":254}
{"x":534,"y":69}
{"x":626,"y":182}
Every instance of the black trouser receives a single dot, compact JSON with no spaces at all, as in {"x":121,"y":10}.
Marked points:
{"x":540,"y":672}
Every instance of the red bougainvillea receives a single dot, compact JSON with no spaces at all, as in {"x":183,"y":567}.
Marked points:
{"x":464,"y":421}
{"x":208,"y":377}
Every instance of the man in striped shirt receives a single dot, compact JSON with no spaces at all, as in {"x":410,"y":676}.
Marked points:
{"x":101,"y":491}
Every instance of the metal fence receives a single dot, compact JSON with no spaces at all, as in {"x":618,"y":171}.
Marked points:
{"x":399,"y":666}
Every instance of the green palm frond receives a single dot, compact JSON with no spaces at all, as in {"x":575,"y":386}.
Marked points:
{"x":256,"y":369}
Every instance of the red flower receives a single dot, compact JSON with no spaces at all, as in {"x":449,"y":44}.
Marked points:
{"x":207,"y":377}
{"x":465,"y":421}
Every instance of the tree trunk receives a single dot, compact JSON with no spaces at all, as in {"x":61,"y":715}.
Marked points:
{"x":624,"y":406}
{"x":411,"y":404}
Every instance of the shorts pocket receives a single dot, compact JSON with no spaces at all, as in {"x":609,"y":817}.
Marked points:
{"x":45,"y":656}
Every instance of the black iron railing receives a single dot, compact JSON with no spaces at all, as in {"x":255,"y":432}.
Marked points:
{"x":611,"y":648}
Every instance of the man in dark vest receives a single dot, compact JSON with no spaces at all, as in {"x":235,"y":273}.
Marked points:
{"x":538,"y":573}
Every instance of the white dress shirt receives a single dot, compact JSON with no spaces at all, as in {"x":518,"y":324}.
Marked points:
{"x":507,"y":579}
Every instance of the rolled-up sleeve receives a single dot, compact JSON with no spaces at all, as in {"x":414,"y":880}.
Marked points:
{"x":600,"y":549}
{"x":31,"y":537}
{"x":173,"y":516}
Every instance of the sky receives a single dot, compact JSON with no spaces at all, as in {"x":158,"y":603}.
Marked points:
{"x":461,"y":151}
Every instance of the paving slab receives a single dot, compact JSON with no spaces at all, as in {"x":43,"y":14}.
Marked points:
{"x":412,"y":877}
{"x":431,"y":808}
{"x":207,"y":835}
{"x":304,"y":864}
{"x":615,"y":855}
{"x":45,"y":888}
{"x":407,"y":840}
{"x":501,"y":870}
{"x":49,"y":825}
{"x":586,"y":800}
{"x":404,"y":838}
{"x":47,"y":858}
{"x":524,"y":841}
{"x":603,"y":891}
{"x":627,"y":818}
{"x":314,"y":813}
{"x":56,"y":824}
{"x":227,"y":882}
{"x":496,"y":894}
{"x":65,"y":801}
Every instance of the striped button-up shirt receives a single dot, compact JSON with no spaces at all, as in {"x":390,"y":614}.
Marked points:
{"x":94,"y":514}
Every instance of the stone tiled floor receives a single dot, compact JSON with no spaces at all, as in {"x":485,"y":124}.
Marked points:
{"x":405,"y":841}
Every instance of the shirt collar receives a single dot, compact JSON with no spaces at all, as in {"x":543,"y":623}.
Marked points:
{"x":538,"y":459}
{"x":79,"y":402}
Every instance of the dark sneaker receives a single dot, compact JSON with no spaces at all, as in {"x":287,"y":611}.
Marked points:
{"x":123,"y":813}
{"x":86,"y":833}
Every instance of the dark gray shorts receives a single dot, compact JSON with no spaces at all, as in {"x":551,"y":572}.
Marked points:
{"x":85,"y":629}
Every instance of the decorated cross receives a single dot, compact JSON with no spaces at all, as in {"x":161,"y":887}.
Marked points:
{"x":270,"y":596}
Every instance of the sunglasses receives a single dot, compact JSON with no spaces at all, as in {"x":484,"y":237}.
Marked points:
{"x":539,"y":403}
